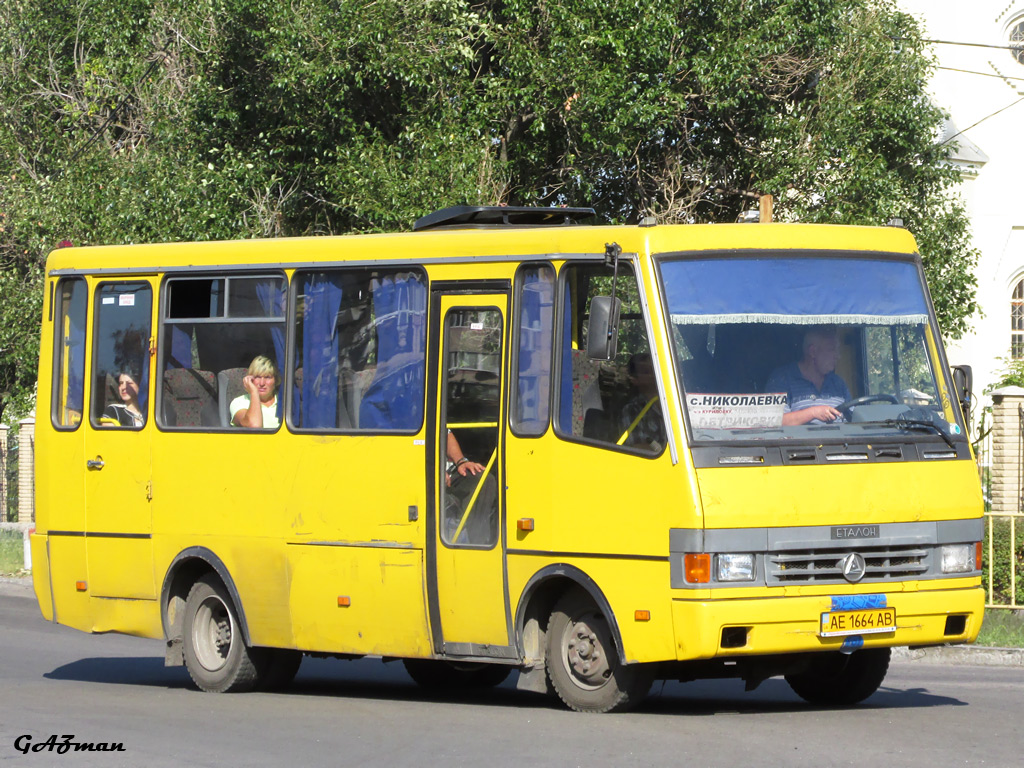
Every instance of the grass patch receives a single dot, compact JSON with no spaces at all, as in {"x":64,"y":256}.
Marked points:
{"x":12,"y":553}
{"x":1002,"y":628}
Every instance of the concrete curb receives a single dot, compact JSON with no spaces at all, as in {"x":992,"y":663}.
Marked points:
{"x":966,"y":655}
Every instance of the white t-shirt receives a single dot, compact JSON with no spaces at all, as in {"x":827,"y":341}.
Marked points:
{"x":241,"y":403}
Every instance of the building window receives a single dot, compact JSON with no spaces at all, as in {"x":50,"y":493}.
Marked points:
{"x":1017,"y":41}
{"x":1017,"y":322}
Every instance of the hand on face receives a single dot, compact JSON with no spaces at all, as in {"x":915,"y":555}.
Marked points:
{"x":261,"y":387}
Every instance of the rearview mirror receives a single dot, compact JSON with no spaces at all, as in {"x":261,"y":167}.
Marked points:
{"x":603,"y":330}
{"x":963,"y":384}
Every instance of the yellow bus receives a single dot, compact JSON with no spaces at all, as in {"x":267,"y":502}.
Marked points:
{"x":509,"y":440}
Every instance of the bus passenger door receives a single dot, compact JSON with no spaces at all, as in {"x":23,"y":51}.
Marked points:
{"x":469,"y":606}
{"x":118,"y":519}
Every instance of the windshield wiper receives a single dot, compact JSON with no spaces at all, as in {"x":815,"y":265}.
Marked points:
{"x":918,"y":424}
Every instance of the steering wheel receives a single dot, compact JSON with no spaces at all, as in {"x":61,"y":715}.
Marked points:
{"x":844,"y":408}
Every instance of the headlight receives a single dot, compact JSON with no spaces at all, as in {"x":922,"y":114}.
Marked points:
{"x":735,"y":567}
{"x":958,"y":558}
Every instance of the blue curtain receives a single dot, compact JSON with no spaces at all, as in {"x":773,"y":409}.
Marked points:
{"x":565,"y":376}
{"x":394,"y":399}
{"x":181,"y":347}
{"x":271,"y":296}
{"x":76,"y":368}
{"x":794,"y":290}
{"x":533,"y":387}
{"x":74,"y":310}
{"x":316,"y":405}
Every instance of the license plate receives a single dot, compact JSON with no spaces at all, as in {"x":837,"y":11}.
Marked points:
{"x":838,"y":623}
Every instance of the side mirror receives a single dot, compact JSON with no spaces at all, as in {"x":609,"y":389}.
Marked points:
{"x":963,"y":384}
{"x":603,"y":330}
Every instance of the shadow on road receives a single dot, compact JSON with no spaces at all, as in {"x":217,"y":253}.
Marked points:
{"x":373,"y":679}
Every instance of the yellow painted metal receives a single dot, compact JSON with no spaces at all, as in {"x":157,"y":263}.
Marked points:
{"x":116,"y":495}
{"x":41,"y":574}
{"x":1002,"y":558}
{"x":387,"y":614}
{"x":627,"y":586}
{"x":67,"y":565}
{"x":129,"y":617}
{"x":944,"y":395}
{"x":789,"y":624}
{"x":742,"y":497}
{"x":470,"y":582}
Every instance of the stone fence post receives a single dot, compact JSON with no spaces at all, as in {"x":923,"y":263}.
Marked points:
{"x":1007,"y":470}
{"x":26,"y":476}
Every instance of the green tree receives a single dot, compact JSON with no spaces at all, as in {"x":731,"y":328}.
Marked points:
{"x":155,"y":120}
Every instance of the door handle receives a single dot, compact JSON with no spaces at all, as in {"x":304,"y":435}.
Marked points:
{"x":96,"y":463}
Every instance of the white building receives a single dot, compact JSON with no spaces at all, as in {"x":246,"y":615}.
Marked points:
{"x":980,"y":83}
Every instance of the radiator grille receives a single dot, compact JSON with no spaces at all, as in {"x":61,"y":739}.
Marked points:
{"x":826,"y":565}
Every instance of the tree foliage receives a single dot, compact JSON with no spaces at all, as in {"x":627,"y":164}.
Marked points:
{"x":154,"y":120}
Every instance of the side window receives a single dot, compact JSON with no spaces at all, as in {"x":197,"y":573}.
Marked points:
{"x":69,"y":353}
{"x":120,"y":359}
{"x":360,"y":350}
{"x":614,"y":402}
{"x":535,"y":295}
{"x":221,"y":351}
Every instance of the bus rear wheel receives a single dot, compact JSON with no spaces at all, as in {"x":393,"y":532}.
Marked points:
{"x":441,"y":675}
{"x":583,"y":664}
{"x":217,"y":659}
{"x":838,"y":679}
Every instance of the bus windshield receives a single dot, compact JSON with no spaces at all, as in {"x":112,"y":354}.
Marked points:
{"x":806,"y":347}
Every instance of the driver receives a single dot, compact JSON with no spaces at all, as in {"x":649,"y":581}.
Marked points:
{"x":813,"y":390}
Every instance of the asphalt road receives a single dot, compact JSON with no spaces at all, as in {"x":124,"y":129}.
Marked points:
{"x":115,"y":689}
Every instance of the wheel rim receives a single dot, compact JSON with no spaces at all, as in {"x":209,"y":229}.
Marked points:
{"x":585,"y":651}
{"x":212,"y":632}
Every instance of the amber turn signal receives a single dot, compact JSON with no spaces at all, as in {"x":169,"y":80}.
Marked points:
{"x":642,"y":615}
{"x":524,"y":523}
{"x":977,"y":555}
{"x":698,"y":567}
{"x":81,"y":586}
{"x":344,"y":601}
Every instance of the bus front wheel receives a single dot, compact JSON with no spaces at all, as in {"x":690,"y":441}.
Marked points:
{"x":216,"y":656}
{"x":837,"y":679}
{"x":583,"y":664}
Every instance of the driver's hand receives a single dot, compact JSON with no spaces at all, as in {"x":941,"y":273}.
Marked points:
{"x":825,"y":413}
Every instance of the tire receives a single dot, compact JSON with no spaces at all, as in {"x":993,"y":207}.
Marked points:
{"x":837,"y":679}
{"x":582,"y":663}
{"x":217,"y":659}
{"x":278,"y":668}
{"x":454,"y":676}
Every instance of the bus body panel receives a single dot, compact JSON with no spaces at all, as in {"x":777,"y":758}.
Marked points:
{"x":140,"y":618}
{"x":359,"y":600}
{"x":643,"y":639}
{"x":741,"y":497}
{"x":41,"y":574}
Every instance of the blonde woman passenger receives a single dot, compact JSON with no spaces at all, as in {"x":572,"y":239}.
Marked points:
{"x":257,"y":408}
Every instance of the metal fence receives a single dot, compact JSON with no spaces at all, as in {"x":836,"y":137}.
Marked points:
{"x":8,"y":475}
{"x":1003,"y":549}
